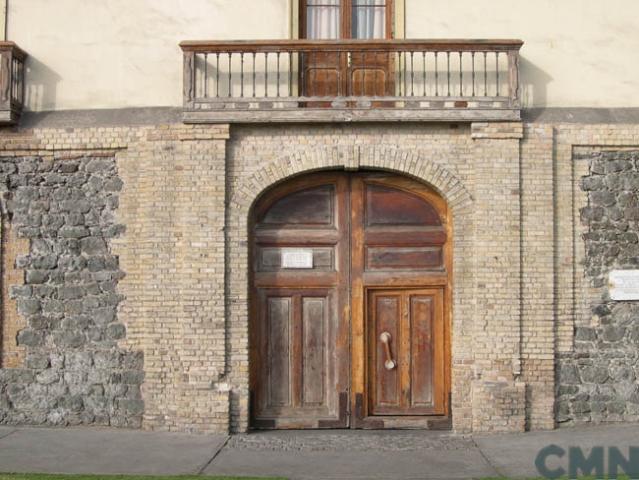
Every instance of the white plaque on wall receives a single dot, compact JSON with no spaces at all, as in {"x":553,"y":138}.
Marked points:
{"x":297,"y":258}
{"x":624,"y":284}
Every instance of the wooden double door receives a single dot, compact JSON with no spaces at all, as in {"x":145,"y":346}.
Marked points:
{"x":350,"y":296}
{"x":346,"y":72}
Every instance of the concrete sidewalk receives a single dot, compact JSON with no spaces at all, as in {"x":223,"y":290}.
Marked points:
{"x":297,"y":455}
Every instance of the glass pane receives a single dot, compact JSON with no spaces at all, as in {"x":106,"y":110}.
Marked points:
{"x":323,"y":19}
{"x":369,"y":19}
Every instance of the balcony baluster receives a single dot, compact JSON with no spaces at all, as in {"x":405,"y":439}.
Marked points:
{"x":12,"y":86}
{"x":349,"y":80}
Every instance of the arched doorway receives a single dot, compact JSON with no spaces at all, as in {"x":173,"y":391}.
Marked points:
{"x":350,"y":303}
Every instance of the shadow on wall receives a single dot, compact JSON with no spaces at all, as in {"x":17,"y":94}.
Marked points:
{"x":41,"y":85}
{"x":534,"y":84}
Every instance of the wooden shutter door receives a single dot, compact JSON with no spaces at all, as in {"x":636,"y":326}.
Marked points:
{"x":299,"y":327}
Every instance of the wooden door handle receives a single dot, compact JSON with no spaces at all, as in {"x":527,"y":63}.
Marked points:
{"x":385,"y":338}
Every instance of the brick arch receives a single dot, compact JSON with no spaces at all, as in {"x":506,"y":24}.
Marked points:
{"x":246,"y":192}
{"x":352,"y":158}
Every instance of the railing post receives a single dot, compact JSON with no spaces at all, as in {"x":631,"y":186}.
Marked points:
{"x":12,"y":85}
{"x":19,"y":80}
{"x":189,"y":80}
{"x":365,"y":92}
{"x":513,"y":76}
{"x":5,"y":79}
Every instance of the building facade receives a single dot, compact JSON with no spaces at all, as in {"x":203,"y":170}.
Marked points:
{"x":323,"y":224}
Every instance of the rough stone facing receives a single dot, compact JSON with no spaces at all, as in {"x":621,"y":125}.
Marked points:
{"x":73,"y":370}
{"x":598,"y":380}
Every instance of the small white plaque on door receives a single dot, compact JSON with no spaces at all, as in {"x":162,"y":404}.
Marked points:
{"x":297,"y":258}
{"x":624,"y":284}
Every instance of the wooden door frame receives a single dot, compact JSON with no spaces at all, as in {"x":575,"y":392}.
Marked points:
{"x":360,"y":417}
{"x":436,"y":294}
{"x":260,"y":206}
{"x":356,"y":307}
{"x":346,"y":16}
{"x":398,"y":23}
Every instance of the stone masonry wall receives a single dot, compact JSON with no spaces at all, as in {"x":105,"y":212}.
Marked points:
{"x":598,"y":380}
{"x":74,"y":372}
{"x":177,"y":277}
{"x":68,"y":192}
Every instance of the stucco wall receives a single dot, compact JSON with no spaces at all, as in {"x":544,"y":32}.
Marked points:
{"x":96,"y":54}
{"x":577,"y":52}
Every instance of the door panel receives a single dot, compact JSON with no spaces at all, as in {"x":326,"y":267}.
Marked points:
{"x":385,"y":382}
{"x":314,"y":354}
{"x":340,"y":261}
{"x":383,"y":258}
{"x":371,"y":75}
{"x":299,"y":329}
{"x":279,"y":323}
{"x":311,"y":207}
{"x":401,"y":251}
{"x":269,"y":259}
{"x":407,"y":378}
{"x":394,"y":207}
{"x":421,"y":356}
{"x":297,"y":374}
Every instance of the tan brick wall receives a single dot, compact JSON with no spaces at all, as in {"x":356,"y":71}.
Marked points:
{"x":538,"y":236}
{"x":486,"y":311}
{"x":519,"y":287}
{"x":11,"y":355}
{"x":498,"y":400}
{"x":173,"y":257}
{"x":498,"y":406}
{"x":173,"y":252}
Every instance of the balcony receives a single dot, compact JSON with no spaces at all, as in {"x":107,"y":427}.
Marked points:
{"x":351,"y":80}
{"x":11,"y":83}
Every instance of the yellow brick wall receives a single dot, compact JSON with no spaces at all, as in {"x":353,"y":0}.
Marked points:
{"x":519,"y":286}
{"x":11,"y":355}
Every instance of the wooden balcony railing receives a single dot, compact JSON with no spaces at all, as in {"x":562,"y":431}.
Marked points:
{"x":11,"y":82}
{"x":349,"y":80}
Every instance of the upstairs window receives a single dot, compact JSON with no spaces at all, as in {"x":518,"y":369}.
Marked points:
{"x":346,"y":19}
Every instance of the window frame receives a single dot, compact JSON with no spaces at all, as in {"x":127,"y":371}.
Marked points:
{"x":395,"y":22}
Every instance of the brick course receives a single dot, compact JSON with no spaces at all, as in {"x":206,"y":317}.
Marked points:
{"x":520,"y":288}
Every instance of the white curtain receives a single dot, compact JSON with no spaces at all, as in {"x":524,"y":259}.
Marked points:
{"x":369,"y":19}
{"x":323,"y":19}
